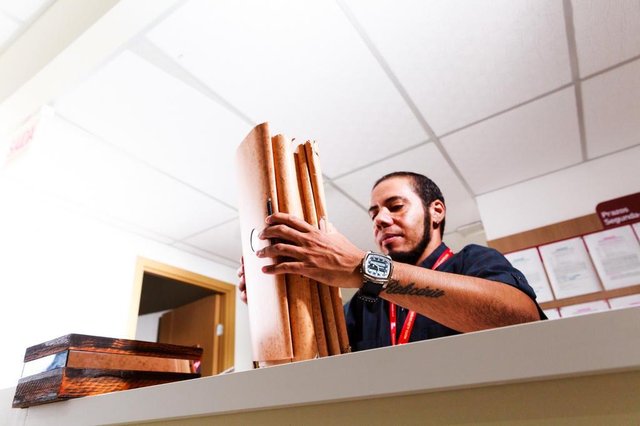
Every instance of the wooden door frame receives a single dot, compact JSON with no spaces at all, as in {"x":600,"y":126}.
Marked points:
{"x":227,"y":293}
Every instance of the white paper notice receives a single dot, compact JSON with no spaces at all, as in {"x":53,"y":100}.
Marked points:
{"x":584,"y":308}
{"x":625,"y":301}
{"x":569,"y":268}
{"x":636,"y":228}
{"x":616,"y":255}
{"x":529,"y":263}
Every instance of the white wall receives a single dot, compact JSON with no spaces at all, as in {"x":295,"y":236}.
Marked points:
{"x":62,"y":271}
{"x":560,"y":196}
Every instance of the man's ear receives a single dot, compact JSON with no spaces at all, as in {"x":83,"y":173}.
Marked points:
{"x":437,"y":210}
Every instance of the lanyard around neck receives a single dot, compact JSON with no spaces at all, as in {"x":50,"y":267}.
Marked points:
{"x":411,"y":316}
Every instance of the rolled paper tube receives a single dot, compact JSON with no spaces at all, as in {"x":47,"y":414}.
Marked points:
{"x":317,"y":185}
{"x":341,"y":323}
{"x":318,"y":323}
{"x":328,"y":317}
{"x":268,"y":307}
{"x":324,"y":291}
{"x":313,"y":162}
{"x":291,"y":317}
{"x":306,"y":197}
{"x":298,"y":292}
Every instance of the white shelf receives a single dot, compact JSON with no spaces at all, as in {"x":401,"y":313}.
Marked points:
{"x":569,"y":347}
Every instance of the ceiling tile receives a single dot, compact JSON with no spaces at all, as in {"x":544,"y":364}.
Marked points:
{"x":223,"y":240}
{"x":349,"y":218}
{"x":73,"y":165}
{"x":426,"y":159}
{"x":607,"y":32}
{"x":612,"y":110}
{"x":8,"y":28}
{"x":298,"y":65}
{"x":462,"y":61}
{"x":206,"y":255}
{"x":529,"y":141}
{"x":23,"y":9}
{"x":152,"y":116}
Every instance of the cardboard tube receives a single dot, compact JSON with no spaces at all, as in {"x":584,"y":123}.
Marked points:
{"x":308,"y":207}
{"x":315,"y":174}
{"x":268,"y":308}
{"x":318,"y":323}
{"x":298,"y":291}
{"x":324,"y":292}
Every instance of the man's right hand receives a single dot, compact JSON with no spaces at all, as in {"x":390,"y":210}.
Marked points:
{"x":242,"y":284}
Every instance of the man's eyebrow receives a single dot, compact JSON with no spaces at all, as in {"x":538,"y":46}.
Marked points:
{"x":387,"y":201}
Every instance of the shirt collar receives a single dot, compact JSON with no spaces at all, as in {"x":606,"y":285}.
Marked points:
{"x":434,"y":256}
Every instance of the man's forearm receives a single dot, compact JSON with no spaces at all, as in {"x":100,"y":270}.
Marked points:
{"x":396,"y":287}
{"x":459,"y":302}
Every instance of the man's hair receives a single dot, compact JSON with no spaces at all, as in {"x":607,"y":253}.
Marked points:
{"x":424,"y":188}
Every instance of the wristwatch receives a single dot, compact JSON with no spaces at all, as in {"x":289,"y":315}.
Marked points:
{"x":376,"y":269}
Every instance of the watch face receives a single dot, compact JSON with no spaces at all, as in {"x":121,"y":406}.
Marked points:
{"x":377,"y":266}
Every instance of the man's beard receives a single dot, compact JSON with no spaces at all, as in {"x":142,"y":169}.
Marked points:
{"x":412,"y":256}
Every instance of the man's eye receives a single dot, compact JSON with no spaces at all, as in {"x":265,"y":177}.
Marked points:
{"x":396,"y":207}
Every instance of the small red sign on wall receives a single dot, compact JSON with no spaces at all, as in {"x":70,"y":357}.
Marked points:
{"x":619,"y":211}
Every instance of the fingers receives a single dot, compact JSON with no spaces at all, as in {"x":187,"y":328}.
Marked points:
{"x":240,"y":273}
{"x":285,"y":227}
{"x":281,"y":250}
{"x":242,"y":284}
{"x":284,"y":268}
{"x":289,"y":220}
{"x":281,"y":232}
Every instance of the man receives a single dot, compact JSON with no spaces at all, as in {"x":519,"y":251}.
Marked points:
{"x":437,"y":293}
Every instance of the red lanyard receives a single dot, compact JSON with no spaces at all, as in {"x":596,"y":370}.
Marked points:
{"x":411,"y":316}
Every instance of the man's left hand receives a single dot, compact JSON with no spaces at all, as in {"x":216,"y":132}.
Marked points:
{"x":324,"y":255}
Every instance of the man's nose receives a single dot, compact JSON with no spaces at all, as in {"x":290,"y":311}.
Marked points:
{"x":383,"y":218}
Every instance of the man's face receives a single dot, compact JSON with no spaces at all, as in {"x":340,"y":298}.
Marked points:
{"x":400,"y":222}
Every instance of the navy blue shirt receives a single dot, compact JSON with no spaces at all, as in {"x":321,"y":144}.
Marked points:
{"x":368,"y":323}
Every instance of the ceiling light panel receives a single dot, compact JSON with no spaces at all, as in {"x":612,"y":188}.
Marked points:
{"x":426,"y":159}
{"x":223,"y":240}
{"x":73,"y":165}
{"x":160,"y":120}
{"x":298,"y":65}
{"x":534,"y":139}
{"x":461,"y":61}
{"x":612,"y":110}
{"x":607,"y":32}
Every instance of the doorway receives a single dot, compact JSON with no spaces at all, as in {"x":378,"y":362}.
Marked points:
{"x":173,"y":305}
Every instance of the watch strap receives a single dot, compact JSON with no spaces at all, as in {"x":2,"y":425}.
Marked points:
{"x":370,"y":291}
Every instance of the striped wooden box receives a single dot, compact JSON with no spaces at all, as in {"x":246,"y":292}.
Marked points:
{"x":78,"y":365}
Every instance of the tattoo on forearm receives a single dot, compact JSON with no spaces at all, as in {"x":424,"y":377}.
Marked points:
{"x":394,"y":287}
